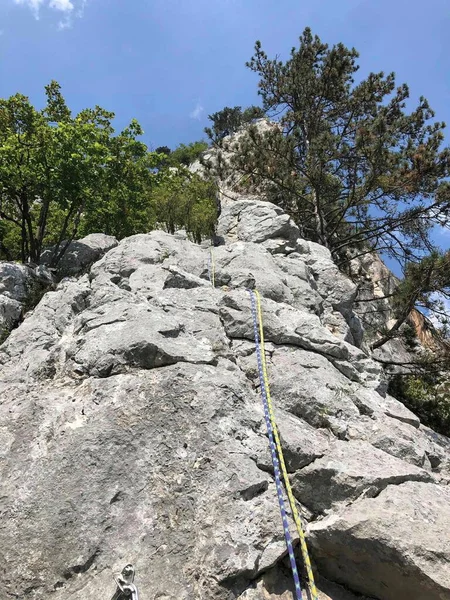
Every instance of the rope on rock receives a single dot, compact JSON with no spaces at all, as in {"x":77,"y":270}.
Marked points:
{"x":273,"y":452}
{"x":277,"y":454}
{"x":212,"y":267}
{"x":276,"y":450}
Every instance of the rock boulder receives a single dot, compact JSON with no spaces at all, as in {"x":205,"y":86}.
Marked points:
{"x":132,"y":430}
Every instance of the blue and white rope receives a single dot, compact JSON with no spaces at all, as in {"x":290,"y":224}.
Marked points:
{"x":273,"y":452}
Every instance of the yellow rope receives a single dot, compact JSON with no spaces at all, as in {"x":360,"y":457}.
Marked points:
{"x":213,"y":269}
{"x":287,"y":483}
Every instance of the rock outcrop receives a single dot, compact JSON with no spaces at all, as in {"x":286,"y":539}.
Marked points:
{"x":132,"y":430}
{"x":376,"y":285}
{"x":80,"y":254}
{"x":21,"y":287}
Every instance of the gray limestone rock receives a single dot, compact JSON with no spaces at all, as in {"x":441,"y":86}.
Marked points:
{"x":10,"y":311}
{"x":394,"y":546}
{"x":399,"y":439}
{"x":132,"y":428}
{"x":21,"y":288}
{"x":16,"y":281}
{"x":249,"y":220}
{"x":287,"y":325}
{"x":80,"y":254}
{"x":141,"y":467}
{"x":349,"y":470}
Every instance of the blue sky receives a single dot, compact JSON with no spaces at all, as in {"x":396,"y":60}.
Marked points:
{"x":170,"y":63}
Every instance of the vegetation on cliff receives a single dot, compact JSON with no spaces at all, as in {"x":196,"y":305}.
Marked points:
{"x":63,"y":176}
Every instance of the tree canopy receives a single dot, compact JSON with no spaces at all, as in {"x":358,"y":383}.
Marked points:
{"x":229,"y":120}
{"x":351,"y":165}
{"x":186,"y":154}
{"x":64,"y":175}
{"x":185,"y":200}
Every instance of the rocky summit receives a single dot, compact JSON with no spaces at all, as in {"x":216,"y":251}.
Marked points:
{"x":132,"y":428}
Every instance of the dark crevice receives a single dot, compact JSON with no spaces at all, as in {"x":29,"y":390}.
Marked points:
{"x":110,"y":371}
{"x":87,"y":329}
{"x":83,"y":568}
{"x":373,"y":491}
{"x":253,"y":491}
{"x":306,"y":463}
{"x":327,"y":585}
{"x":118,"y":497}
{"x":32,"y":588}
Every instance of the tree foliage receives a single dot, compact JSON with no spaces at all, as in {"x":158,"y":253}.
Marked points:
{"x":425,"y":285}
{"x":128,"y":181}
{"x":64,"y":175}
{"x":428,"y":396}
{"x":185,"y":155}
{"x":163,"y":150}
{"x":230,"y":120}
{"x":345,"y":160}
{"x":184,"y":200}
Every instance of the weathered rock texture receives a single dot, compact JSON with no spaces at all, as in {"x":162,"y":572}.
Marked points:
{"x":21,"y":287}
{"x":376,"y":284}
{"x":80,"y":254}
{"x":131,"y":430}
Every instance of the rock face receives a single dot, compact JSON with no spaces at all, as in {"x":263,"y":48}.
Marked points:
{"x":132,"y":430}
{"x":393,"y":546}
{"x":20,"y":288}
{"x":80,"y":254}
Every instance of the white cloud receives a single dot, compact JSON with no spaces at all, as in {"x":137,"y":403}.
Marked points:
{"x":82,"y":6}
{"x":65,"y":23}
{"x":197,"y":112}
{"x":68,"y":7}
{"x":33,"y":4}
{"x":64,"y":5}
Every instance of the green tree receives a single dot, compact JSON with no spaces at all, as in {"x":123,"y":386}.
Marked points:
{"x":346,"y":160}
{"x":184,"y":200}
{"x":185,"y":155}
{"x":128,"y":179}
{"x":62,"y":174}
{"x":427,"y":395}
{"x":229,"y":120}
{"x":425,"y":284}
{"x":163,"y":150}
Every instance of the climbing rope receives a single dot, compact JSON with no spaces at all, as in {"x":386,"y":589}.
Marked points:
{"x":277,"y":452}
{"x":273,"y":451}
{"x":212,"y":266}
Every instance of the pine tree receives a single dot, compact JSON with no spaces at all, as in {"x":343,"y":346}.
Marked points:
{"x":346,"y":160}
{"x":425,"y":284}
{"x":230,"y":120}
